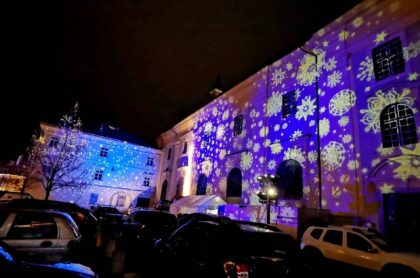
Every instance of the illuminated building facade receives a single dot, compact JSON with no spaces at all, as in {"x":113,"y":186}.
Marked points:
{"x":119,"y":172}
{"x":356,"y":82}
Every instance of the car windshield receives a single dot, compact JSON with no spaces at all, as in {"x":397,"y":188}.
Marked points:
{"x":379,"y":240}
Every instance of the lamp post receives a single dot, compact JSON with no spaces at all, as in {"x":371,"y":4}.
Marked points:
{"x":270,"y":193}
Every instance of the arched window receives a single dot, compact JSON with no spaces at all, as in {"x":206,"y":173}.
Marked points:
{"x":398,"y":127}
{"x":238,"y":124}
{"x":163,"y":191}
{"x":201,"y":185}
{"x":234,"y":186}
{"x":290,"y":179}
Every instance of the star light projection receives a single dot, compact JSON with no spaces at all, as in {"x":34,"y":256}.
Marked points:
{"x":350,"y":104}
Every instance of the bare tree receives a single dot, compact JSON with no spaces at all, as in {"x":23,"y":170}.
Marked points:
{"x":60,"y":162}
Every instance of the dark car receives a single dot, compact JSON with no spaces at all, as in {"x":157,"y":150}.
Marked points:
{"x":140,"y":232}
{"x":221,"y":248}
{"x":163,"y":205}
{"x":108,"y":214}
{"x":11,"y":265}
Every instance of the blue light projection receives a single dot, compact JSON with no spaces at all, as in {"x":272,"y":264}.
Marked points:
{"x":124,"y":169}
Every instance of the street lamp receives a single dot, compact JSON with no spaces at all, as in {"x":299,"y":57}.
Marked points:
{"x":270,"y":192}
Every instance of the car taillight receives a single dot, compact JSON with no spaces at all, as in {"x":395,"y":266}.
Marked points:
{"x":235,"y":270}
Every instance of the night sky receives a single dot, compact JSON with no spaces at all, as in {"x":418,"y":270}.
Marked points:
{"x":140,"y":65}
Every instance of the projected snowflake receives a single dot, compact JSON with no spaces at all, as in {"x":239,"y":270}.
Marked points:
{"x":274,"y":104}
{"x":333,"y":155}
{"x":366,"y":69}
{"x":342,"y":102}
{"x":377,"y":103}
{"x":307,"y":108}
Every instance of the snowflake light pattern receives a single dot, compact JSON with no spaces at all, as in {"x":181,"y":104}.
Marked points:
{"x":307,"y":108}
{"x":308,"y":71}
{"x":278,"y":77}
{"x":274,"y":104}
{"x":377,"y":103}
{"x":342,"y":102}
{"x":296,"y":154}
{"x":324,"y":127}
{"x":365,"y":69}
{"x":246,"y":160}
{"x":333,"y":155}
{"x":334,"y":79}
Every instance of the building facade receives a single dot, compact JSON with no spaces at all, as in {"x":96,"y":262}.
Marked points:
{"x":119,"y":172}
{"x":336,"y":120}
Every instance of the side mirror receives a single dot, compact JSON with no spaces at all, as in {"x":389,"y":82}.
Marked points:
{"x":373,"y":251}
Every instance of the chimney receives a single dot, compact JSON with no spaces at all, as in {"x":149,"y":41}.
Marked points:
{"x":217,"y":85}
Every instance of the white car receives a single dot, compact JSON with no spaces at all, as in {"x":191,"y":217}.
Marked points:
{"x":361,"y":247}
{"x":39,"y":234}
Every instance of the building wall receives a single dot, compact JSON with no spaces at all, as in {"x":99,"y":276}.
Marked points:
{"x":124,"y":170}
{"x":355,"y":169}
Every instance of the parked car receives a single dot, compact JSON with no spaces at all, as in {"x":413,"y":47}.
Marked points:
{"x":41,"y":235}
{"x":12,"y":265}
{"x":85,"y":220}
{"x":360,"y":247}
{"x":108,"y":214}
{"x":8,"y":195}
{"x":222,"y":248}
{"x":163,"y":205}
{"x":151,"y":224}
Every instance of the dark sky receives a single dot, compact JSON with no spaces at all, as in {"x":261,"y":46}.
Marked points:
{"x":141,"y":65}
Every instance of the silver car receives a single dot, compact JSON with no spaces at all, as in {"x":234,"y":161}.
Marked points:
{"x":41,"y":235}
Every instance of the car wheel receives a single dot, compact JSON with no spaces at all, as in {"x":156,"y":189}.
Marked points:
{"x":400,"y":270}
{"x":313,"y":260}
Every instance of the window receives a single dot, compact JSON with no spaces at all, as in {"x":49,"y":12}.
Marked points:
{"x":3,"y":217}
{"x":93,"y":198}
{"x":103,"y":152}
{"x":201,"y":185}
{"x":290,"y":183}
{"x":234,"y":183}
{"x":183,"y":161}
{"x":388,"y":59}
{"x":357,"y":242}
{"x":146,"y":181}
{"x":98,"y":175}
{"x":398,"y":126}
{"x":334,"y":237}
{"x":53,"y":142}
{"x":289,"y":104}
{"x":169,"y":153}
{"x":150,"y":161}
{"x":121,"y":200}
{"x":185,"y":149}
{"x":163,"y":191}
{"x":316,"y":233}
{"x":33,"y":226}
{"x":238,"y":123}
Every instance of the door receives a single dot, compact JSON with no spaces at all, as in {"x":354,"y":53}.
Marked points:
{"x":359,"y":252}
{"x":402,"y":219}
{"x":36,"y":235}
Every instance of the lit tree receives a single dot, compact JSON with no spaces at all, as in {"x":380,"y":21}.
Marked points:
{"x":60,"y":163}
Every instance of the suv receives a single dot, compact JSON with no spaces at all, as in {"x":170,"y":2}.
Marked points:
{"x":361,"y":247}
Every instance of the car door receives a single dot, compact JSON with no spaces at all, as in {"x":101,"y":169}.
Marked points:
{"x":332,"y":245}
{"x":362,"y":253}
{"x":35,"y":234}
